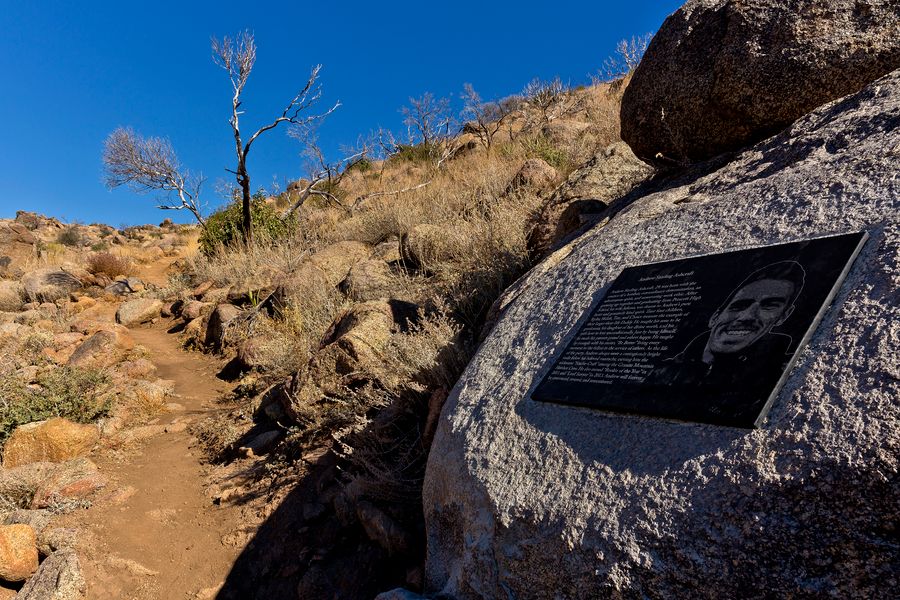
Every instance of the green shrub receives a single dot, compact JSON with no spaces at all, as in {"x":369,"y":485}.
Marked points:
{"x":418,"y":153}
{"x":69,"y":392}
{"x":363,"y":165}
{"x":223,"y":227}
{"x":540,"y":147}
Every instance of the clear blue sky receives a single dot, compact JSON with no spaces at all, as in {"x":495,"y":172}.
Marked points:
{"x":74,"y":71}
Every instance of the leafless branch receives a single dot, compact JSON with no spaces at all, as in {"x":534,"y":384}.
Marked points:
{"x":371,"y":195}
{"x":237,"y":56}
{"x":150,"y":164}
{"x":628,"y":56}
{"x":485,"y":118}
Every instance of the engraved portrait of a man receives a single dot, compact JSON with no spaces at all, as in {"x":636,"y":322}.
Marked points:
{"x":740,"y":346}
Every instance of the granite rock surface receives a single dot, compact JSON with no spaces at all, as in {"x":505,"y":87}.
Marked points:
{"x":526,"y":499}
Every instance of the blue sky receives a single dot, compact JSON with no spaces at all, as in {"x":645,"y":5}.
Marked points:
{"x":74,"y":71}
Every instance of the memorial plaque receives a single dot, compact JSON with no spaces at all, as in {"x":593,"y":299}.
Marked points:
{"x":708,"y":339}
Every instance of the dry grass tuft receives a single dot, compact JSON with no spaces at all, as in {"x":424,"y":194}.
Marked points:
{"x":109,"y":264}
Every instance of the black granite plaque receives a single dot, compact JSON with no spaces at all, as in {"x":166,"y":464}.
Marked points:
{"x":708,"y":339}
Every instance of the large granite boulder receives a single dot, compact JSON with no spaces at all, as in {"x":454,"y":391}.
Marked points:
{"x":50,"y":284}
{"x":533,"y":500}
{"x":720,"y":74}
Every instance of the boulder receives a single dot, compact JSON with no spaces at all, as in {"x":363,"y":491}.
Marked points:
{"x":11,"y":296}
{"x":252,"y":352}
{"x":18,"y":552}
{"x":72,"y":481}
{"x":218,"y":324}
{"x":49,"y":284}
{"x":586,"y":196}
{"x":194,"y":309}
{"x":101,"y":348}
{"x":135,"y":312}
{"x":58,"y":578}
{"x":194,"y":332}
{"x":388,"y":250}
{"x":530,"y":499}
{"x":720,"y":75}
{"x":368,"y":280}
{"x":336,"y":260}
{"x":534,"y":174}
{"x":53,"y":440}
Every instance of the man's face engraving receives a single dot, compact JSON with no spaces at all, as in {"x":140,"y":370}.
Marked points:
{"x":753,"y":311}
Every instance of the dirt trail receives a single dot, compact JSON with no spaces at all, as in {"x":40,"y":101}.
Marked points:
{"x":155,"y":533}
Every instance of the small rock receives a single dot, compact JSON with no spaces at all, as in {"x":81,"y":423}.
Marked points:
{"x":36,"y":519}
{"x":368,"y":280}
{"x":201,"y":289}
{"x":534,"y":174}
{"x":261,"y":444}
{"x":76,"y":479}
{"x":176,"y":427}
{"x":18,"y":552}
{"x":11,"y":296}
{"x":336,"y":260}
{"x":381,"y":528}
{"x":56,"y":538}
{"x":49,"y":284}
{"x":133,"y":567}
{"x":194,"y":309}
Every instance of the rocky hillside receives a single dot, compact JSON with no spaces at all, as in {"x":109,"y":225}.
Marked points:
{"x":347,"y":410}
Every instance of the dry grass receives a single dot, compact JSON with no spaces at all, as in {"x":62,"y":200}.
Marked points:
{"x":108,"y":264}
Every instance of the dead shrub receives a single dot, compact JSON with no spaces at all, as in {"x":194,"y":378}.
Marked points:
{"x":109,"y":264}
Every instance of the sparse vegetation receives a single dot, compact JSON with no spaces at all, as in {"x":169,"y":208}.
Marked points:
{"x":224,"y":227}
{"x":70,"y":236}
{"x":70,"y":392}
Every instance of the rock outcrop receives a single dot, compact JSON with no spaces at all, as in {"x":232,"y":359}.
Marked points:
{"x":586,"y":195}
{"x":17,"y":245}
{"x":720,"y":75}
{"x":528,"y":499}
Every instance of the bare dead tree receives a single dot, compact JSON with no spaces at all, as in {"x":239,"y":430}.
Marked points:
{"x":485,"y":118}
{"x":626,"y":59}
{"x":428,"y":120}
{"x":324,"y":176}
{"x":150,"y":164}
{"x":237,"y":56}
{"x":546,"y":97}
